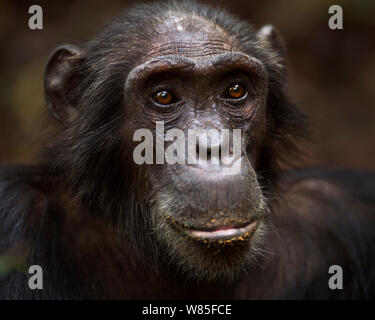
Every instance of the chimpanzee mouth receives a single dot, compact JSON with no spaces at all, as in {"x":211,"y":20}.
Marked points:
{"x":224,"y":233}
{"x":220,"y":234}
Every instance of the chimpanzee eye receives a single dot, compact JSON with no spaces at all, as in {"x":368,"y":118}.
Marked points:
{"x":235,"y":91}
{"x":163,"y":97}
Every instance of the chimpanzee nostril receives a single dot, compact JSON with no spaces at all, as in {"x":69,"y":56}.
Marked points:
{"x":204,"y":153}
{"x":208,"y":147}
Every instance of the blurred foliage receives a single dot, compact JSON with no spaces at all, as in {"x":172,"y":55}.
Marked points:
{"x":331,"y":71}
{"x":9,"y":263}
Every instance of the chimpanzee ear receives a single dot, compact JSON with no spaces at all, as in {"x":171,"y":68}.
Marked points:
{"x":270,"y":38}
{"x":61,"y":79}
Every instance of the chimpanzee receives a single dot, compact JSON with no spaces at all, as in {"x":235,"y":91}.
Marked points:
{"x":102,"y":226}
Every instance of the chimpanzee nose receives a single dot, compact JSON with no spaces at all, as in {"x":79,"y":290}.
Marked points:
{"x":212,"y":147}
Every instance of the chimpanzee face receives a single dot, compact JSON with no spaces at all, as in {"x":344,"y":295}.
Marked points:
{"x":193,"y":77}
{"x":210,"y":100}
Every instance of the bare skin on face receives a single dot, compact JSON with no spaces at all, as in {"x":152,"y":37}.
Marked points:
{"x":200,"y":210}
{"x":190,"y":36}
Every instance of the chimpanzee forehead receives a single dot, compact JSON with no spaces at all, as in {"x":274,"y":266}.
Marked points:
{"x":189,"y":36}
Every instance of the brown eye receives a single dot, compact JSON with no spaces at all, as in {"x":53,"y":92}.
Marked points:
{"x":163,"y":97}
{"x":236,"y":91}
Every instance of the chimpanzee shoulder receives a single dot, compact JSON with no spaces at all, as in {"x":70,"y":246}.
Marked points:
{"x":360,"y":184}
{"x":331,"y":214}
{"x":22,"y":196}
{"x":31,"y":223}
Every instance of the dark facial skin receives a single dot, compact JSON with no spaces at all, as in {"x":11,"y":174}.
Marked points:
{"x":197,"y":63}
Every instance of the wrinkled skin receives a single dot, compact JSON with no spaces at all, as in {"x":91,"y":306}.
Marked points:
{"x":198,"y":62}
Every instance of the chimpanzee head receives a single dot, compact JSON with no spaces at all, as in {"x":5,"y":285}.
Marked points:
{"x":188,"y":67}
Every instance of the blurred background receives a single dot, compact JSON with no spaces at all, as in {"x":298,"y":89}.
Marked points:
{"x":332,"y":72}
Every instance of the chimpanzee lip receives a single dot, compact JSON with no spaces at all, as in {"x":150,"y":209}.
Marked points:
{"x":224,"y":233}
{"x":220,"y":234}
